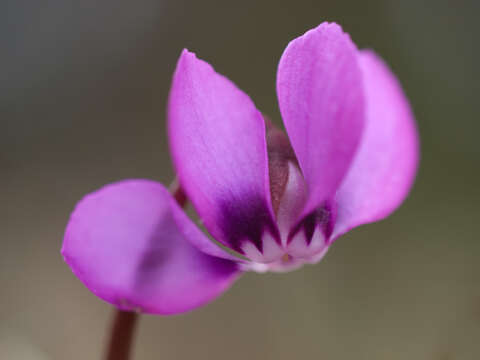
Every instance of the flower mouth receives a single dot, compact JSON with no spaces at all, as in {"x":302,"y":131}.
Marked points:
{"x":287,"y":262}
{"x":286,"y":258}
{"x":291,"y":238}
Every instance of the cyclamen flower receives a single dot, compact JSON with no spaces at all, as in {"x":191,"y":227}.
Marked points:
{"x":350,"y":158}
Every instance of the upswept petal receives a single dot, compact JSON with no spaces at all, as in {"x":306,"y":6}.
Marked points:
{"x":384,"y":168}
{"x":218,"y":145}
{"x":132,"y":245}
{"x":320,"y":94}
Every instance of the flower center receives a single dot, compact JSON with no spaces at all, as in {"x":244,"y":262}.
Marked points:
{"x":286,"y":258}
{"x":300,"y":240}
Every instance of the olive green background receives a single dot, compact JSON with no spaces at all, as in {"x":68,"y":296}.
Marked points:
{"x":83,"y":88}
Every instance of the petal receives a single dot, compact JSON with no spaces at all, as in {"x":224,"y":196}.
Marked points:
{"x":287,"y":186}
{"x":385,"y":165}
{"x":319,"y":90}
{"x":291,"y":203}
{"x":280,"y":157}
{"x":217,"y":140}
{"x":132,"y":245}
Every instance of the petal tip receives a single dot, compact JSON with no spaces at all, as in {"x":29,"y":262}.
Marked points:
{"x":185,"y":54}
{"x":326,"y":28}
{"x":189,"y":60}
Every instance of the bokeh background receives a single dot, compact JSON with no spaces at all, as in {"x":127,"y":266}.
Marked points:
{"x":83,"y":88}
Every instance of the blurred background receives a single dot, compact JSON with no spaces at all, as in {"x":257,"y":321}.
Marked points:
{"x":83,"y":88}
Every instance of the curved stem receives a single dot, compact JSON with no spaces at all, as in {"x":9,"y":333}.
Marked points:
{"x":124,"y":322}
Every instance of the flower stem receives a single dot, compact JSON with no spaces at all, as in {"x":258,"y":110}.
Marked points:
{"x":178,"y":193}
{"x":124,"y":322}
{"x":123,"y":327}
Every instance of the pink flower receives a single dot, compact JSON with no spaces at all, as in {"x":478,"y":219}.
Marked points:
{"x":352,"y":160}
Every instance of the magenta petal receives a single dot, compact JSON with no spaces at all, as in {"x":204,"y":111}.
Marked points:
{"x":320,"y":94}
{"x":217,"y":140}
{"x":132,"y":246}
{"x":385,"y":165}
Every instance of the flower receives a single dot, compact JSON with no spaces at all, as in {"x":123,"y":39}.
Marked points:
{"x":350,"y":158}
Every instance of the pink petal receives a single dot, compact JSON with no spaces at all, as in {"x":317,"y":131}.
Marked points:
{"x":217,"y":140}
{"x":132,"y":246}
{"x":385,"y":165}
{"x":319,"y":89}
